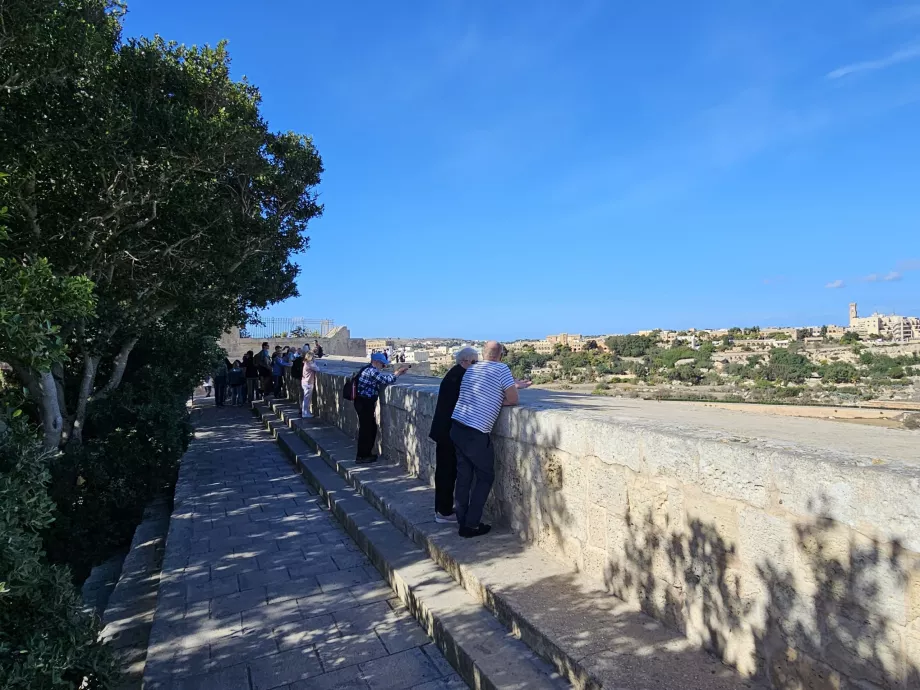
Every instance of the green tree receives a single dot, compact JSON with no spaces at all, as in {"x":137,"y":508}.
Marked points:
{"x":145,"y":168}
{"x":787,"y":367}
{"x":849,"y":337}
{"x":631,"y":345}
{"x":46,"y":640}
{"x":839,"y":372}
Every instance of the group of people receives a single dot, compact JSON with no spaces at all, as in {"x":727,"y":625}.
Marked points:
{"x":470,"y":400}
{"x":288,"y":372}
{"x":395,"y":357}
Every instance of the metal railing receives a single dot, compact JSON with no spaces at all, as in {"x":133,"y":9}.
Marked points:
{"x":295,"y":327}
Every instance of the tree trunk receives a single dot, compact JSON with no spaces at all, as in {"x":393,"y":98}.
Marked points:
{"x":42,"y":388}
{"x":90,"y":366}
{"x":52,"y":421}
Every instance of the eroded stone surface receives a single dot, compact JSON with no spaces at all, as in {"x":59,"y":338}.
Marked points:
{"x":749,"y":534}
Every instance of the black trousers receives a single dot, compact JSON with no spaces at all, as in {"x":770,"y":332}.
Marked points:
{"x":367,"y":425}
{"x":220,"y":390}
{"x":445,"y":477}
{"x":475,"y":472}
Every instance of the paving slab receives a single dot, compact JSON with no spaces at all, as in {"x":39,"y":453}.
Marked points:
{"x":594,"y":639}
{"x":483,"y":652}
{"x":240,"y":605}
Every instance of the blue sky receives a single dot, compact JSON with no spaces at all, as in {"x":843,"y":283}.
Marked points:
{"x":524,"y":168}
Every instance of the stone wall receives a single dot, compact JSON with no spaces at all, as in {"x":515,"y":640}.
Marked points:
{"x":338,"y":342}
{"x":788,"y":562}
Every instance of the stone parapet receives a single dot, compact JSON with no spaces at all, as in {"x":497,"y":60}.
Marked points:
{"x":790,"y":548}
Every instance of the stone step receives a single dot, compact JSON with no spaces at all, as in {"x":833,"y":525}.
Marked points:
{"x":477,"y":646}
{"x":592,"y":638}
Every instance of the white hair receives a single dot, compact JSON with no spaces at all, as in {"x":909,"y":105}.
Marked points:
{"x":467,"y":353}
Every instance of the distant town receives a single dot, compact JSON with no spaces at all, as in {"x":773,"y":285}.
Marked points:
{"x":893,"y":328}
{"x":872,"y":361}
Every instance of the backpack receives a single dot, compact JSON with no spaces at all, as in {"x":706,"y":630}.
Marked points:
{"x":350,"y":389}
{"x":297,"y":369}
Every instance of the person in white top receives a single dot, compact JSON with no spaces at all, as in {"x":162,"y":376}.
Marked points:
{"x":487,"y":386}
{"x":307,"y":381}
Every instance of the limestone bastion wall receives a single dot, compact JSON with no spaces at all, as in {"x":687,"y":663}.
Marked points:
{"x":786,"y":562}
{"x":338,"y":343}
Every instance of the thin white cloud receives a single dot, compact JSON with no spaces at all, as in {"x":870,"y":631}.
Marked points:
{"x":893,"y":275}
{"x":835,"y":284}
{"x":897,"y":57}
{"x":871,"y":278}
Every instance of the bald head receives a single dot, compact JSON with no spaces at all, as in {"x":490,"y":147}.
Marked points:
{"x":492,"y":351}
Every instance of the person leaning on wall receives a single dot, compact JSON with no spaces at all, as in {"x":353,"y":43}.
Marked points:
{"x":370,"y":382}
{"x":445,"y":475}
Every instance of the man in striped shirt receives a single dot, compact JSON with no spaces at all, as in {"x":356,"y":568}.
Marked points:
{"x":487,"y":386}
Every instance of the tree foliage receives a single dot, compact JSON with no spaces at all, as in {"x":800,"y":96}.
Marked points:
{"x":149,"y":208}
{"x":144,"y":168}
{"x":631,"y":345}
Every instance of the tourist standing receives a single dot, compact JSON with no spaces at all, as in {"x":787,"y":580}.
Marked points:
{"x":287,"y":359}
{"x":252,"y":376}
{"x":264,"y":366}
{"x":219,"y":374}
{"x":486,"y":387}
{"x":277,"y":375}
{"x":295,"y":391}
{"x":318,"y":350}
{"x":445,"y":474}
{"x":237,"y":379}
{"x":307,"y":383}
{"x":370,"y":380}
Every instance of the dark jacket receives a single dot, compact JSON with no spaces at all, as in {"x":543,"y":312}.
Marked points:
{"x":448,"y":394}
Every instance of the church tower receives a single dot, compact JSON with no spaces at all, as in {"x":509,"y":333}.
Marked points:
{"x":853,"y":314}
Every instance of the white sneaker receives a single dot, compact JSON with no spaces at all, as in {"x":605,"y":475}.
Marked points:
{"x":445,"y":519}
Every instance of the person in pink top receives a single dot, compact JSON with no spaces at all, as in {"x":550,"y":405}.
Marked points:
{"x":307,"y":381}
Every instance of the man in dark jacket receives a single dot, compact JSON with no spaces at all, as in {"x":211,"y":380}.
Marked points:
{"x":445,"y":474}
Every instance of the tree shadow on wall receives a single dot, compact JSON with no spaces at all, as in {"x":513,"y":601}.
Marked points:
{"x":824,"y":611}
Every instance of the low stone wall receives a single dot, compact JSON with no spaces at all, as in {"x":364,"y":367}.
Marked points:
{"x":791,"y":563}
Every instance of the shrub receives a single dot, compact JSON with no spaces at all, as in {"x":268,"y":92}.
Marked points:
{"x":46,"y":641}
{"x":133,"y":442}
{"x":912,"y":421}
{"x":839,"y":372}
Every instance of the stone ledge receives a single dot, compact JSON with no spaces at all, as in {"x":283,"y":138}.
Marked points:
{"x":592,"y":638}
{"x":481,"y":650}
{"x":129,"y":613}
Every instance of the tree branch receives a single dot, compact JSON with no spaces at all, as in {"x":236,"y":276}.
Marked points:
{"x":90,"y":366}
{"x":121,"y":362}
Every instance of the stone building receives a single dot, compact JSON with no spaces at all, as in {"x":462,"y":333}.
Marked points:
{"x":884,"y":325}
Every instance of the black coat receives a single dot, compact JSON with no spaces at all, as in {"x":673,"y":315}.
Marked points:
{"x":448,"y":394}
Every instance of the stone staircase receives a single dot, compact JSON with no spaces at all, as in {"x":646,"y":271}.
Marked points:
{"x":480,"y":598}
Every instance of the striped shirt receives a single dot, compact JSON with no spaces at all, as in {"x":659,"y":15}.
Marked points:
{"x":482,"y":393}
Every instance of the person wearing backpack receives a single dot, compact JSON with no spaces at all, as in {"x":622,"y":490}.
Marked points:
{"x":369,"y":382}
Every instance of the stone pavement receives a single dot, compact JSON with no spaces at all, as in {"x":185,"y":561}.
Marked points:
{"x":261,"y":588}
